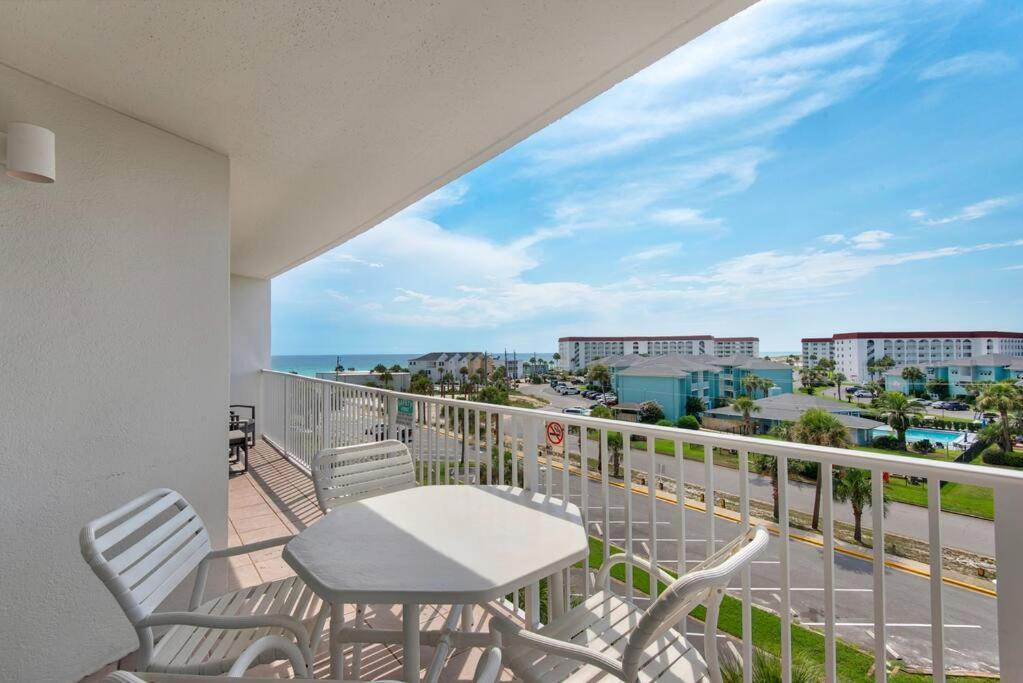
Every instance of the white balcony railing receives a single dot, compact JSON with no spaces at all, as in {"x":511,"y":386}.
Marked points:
{"x":821,"y":583}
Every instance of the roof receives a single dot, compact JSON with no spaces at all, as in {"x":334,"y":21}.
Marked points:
{"x":743,"y":362}
{"x":337,"y":115}
{"x":817,"y":340}
{"x":625,"y":339}
{"x":987,"y":359}
{"x":737,"y":339}
{"x":678,"y":365}
{"x":437,"y":355}
{"x":791,"y":406}
{"x":909,"y":335}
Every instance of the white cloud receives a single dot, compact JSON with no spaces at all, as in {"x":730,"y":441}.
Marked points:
{"x":967,"y":213}
{"x":978,"y":63}
{"x":871,"y":239}
{"x":340,"y":257}
{"x":685,"y":218}
{"x":1019,"y":267}
{"x":833,"y":238}
{"x":660,"y":251}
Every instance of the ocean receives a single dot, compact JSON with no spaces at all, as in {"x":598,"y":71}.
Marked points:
{"x":310,"y":365}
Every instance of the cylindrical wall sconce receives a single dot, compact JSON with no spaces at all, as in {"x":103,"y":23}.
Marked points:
{"x":31,"y":152}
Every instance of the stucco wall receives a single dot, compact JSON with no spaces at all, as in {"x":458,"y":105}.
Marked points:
{"x":113,"y":359}
{"x":250,"y":340}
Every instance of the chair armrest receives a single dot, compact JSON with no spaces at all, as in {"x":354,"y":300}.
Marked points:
{"x":267,"y":644}
{"x":248,"y":547}
{"x":513,"y":633}
{"x":232,"y":622}
{"x":621,"y":558}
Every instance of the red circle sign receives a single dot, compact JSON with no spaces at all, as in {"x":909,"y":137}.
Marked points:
{"x":555,"y":433}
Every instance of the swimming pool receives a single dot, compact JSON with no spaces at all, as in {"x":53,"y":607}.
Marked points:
{"x":938,"y":436}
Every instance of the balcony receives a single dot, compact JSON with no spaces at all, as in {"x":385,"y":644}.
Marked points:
{"x":795,"y":589}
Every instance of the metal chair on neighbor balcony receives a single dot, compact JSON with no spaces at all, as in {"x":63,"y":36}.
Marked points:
{"x":241,"y":436}
{"x":608,"y":635}
{"x":145,"y":549}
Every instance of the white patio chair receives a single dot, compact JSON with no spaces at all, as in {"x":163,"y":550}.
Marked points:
{"x":145,"y":549}
{"x":611,"y":635}
{"x":488,"y":669}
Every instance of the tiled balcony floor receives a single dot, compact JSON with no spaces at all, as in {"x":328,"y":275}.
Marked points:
{"x":275,"y":499}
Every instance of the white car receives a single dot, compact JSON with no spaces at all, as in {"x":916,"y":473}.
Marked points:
{"x":568,"y":391}
{"x":575,"y":411}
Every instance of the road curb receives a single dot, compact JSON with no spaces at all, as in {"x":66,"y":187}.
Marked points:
{"x":772,"y":527}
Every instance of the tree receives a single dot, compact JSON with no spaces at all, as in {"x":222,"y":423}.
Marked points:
{"x":884,"y":365}
{"x":421,"y":384}
{"x":650,"y":412}
{"x":768,"y":464}
{"x":750,"y":383}
{"x":687,"y":422}
{"x":493,"y":394}
{"x":604,"y":413}
{"x":379,"y":368}
{"x":447,"y":380}
{"x":765,"y":385}
{"x":746,"y":406}
{"x":819,"y":427}
{"x":838,"y":377}
{"x":897,"y":410}
{"x":853,"y":486}
{"x":556,"y":357}
{"x":499,"y":375}
{"x":1002,"y":398}
{"x":938,"y":388}
{"x":695,"y":405}
{"x":826,"y":365}
{"x":386,"y":377}
{"x":464,"y":372}
{"x":396,"y":368}
{"x":599,"y":374}
{"x":809,"y":377}
{"x":914,"y":377}
{"x":615,"y":443}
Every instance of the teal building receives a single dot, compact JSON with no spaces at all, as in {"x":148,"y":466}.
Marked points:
{"x":671,"y":379}
{"x":958,"y":374}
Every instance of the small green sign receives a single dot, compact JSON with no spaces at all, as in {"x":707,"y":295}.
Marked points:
{"x":406,"y":411}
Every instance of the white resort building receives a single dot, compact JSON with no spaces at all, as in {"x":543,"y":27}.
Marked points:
{"x":854,"y":351}
{"x":578,"y":352}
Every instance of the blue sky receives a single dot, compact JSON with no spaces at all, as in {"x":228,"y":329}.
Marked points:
{"x":805,"y":168}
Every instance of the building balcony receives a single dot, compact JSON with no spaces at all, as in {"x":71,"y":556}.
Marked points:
{"x":931,"y":609}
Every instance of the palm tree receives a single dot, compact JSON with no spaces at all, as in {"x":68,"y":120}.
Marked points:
{"x":386,"y":376}
{"x":600,"y":375}
{"x":379,"y":368}
{"x":897,"y":410}
{"x":464,"y":372}
{"x":768,"y":464}
{"x":839,"y":378}
{"x":1002,"y":398}
{"x":447,"y":380}
{"x":914,"y":376}
{"x":853,"y":486}
{"x":750,"y":383}
{"x":605,"y":413}
{"x":765,"y":385}
{"x":819,"y":427}
{"x":809,"y":378}
{"x":746,"y":406}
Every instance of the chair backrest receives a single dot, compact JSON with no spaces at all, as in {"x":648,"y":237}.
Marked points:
{"x":704,"y":584}
{"x":351,"y":473}
{"x":144,"y":549}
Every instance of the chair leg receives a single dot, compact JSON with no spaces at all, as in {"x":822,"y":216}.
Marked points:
{"x":360,"y":610}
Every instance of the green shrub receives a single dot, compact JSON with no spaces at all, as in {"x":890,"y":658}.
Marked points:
{"x":994,"y":455}
{"x":687,"y":422}
{"x":664,"y":423}
{"x":886,"y":441}
{"x":923,"y":446}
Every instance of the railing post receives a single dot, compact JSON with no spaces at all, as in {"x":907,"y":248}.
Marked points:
{"x":325,"y":417}
{"x":287,"y":414}
{"x":530,"y":463}
{"x":392,"y":416}
{"x":1009,"y":556}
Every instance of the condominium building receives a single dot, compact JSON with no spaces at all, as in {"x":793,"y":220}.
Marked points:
{"x":957,"y":375}
{"x":853,"y":352}
{"x":816,"y":349}
{"x":578,"y":352}
{"x":439,"y":362}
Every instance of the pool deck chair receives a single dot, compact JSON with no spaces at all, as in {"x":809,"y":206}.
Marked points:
{"x":145,"y":549}
{"x":608,"y":637}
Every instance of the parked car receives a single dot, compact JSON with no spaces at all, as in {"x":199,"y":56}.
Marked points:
{"x":575,"y":411}
{"x":568,"y":391}
{"x":922,"y":402}
{"x":956,"y":405}
{"x":862,"y":393}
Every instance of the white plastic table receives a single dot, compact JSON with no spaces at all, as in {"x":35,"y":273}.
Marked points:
{"x":461,"y":545}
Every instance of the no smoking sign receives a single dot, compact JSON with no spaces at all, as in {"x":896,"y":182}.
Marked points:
{"x":555,"y":434}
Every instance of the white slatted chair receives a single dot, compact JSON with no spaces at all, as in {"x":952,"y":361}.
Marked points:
{"x":488,"y":669}
{"x":607,"y":636}
{"x":145,"y":549}
{"x":351,"y":473}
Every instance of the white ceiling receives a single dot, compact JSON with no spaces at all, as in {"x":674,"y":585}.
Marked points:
{"x":338,"y":114}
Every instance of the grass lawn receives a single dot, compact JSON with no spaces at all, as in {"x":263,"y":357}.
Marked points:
{"x":852,"y":664}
